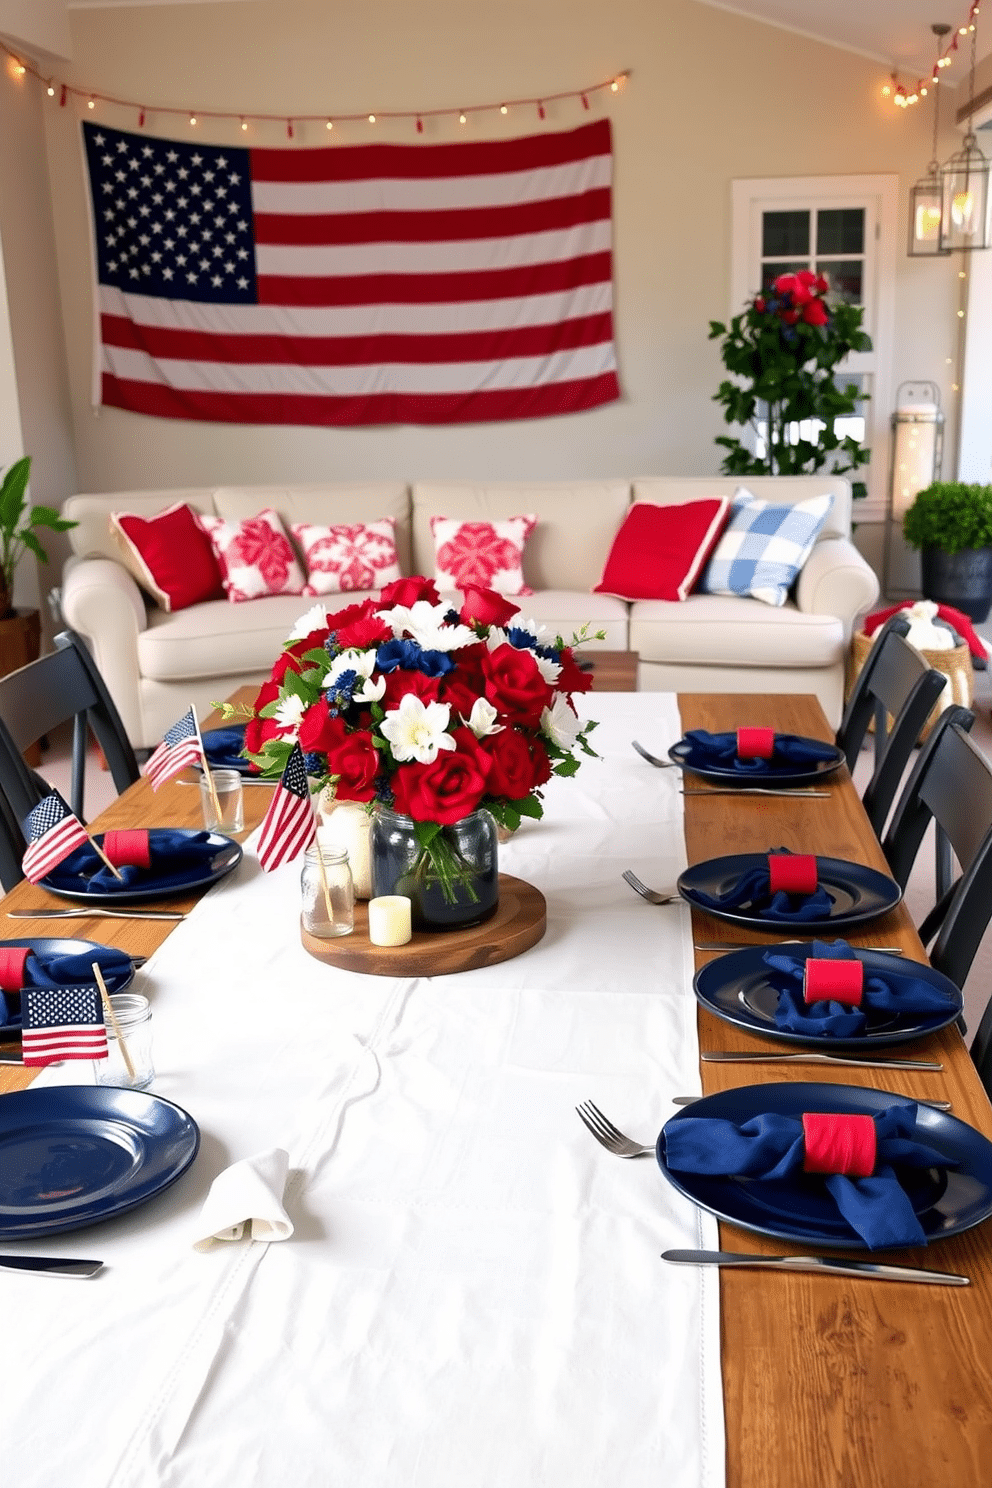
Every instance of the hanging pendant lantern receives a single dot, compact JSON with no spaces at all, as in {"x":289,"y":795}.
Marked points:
{"x":926,"y":197}
{"x":964,"y":219}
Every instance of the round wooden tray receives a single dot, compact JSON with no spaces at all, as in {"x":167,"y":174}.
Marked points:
{"x":519,"y":922}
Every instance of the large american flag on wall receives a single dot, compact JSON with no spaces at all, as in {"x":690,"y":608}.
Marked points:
{"x":364,"y":284}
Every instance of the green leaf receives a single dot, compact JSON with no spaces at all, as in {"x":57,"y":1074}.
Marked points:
{"x":13,"y":496}
{"x":566,"y":767}
{"x":47,"y":516}
{"x":425,"y":832}
{"x":530,"y":806}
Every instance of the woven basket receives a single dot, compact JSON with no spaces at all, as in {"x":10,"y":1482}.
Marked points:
{"x":954,"y":663}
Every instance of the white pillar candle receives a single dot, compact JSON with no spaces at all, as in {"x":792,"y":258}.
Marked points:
{"x":346,"y":824}
{"x":389,"y":920}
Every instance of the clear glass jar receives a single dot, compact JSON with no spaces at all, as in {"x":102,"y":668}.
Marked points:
{"x":451,"y":883}
{"x":327,"y":911}
{"x":134,"y":1019}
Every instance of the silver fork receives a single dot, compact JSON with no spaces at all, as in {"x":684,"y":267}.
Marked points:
{"x":608,"y":1135}
{"x":653,"y":759}
{"x":651,"y":895}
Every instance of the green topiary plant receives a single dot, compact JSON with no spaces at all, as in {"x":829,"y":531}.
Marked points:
{"x":951,"y":516}
{"x":17,"y":528}
{"x":783,"y":351}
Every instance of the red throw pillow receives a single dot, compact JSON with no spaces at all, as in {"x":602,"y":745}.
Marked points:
{"x":660,"y":551}
{"x":170,"y":556}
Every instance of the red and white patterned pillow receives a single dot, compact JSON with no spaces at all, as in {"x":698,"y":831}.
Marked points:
{"x":486,"y":554}
{"x":352,"y":555}
{"x":256,"y":557}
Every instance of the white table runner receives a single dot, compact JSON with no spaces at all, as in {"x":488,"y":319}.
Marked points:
{"x":473,"y":1294}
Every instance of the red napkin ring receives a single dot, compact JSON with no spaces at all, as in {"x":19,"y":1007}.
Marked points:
{"x":12,"y":959}
{"x":755,"y":743}
{"x":839,"y":1144}
{"x":792,"y":873}
{"x":834,"y":981}
{"x":128,"y":849}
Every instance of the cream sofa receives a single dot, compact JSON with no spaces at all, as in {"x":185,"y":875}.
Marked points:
{"x":156,"y":664}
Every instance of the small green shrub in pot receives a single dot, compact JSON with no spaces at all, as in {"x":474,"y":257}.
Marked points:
{"x":17,"y":528}
{"x":951,"y":524}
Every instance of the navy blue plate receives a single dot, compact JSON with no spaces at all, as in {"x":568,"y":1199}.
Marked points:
{"x":59,"y":946}
{"x":736,"y":988}
{"x":226,"y":760}
{"x":856,"y":893}
{"x":783,"y":775}
{"x":228,"y":855}
{"x":72,"y":1155}
{"x":945,"y":1200}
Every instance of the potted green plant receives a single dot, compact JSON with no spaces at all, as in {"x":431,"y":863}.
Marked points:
{"x":20,"y":630}
{"x":950,"y":522}
{"x":783,"y":351}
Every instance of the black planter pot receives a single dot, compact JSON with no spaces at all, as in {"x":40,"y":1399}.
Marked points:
{"x":963,"y":579}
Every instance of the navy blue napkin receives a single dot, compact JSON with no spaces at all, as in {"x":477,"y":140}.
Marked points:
{"x":771,"y":1147}
{"x":752,"y":893}
{"x":225,"y":747}
{"x":791,"y":752}
{"x":70,"y":971}
{"x":898,"y":991}
{"x":179,"y":857}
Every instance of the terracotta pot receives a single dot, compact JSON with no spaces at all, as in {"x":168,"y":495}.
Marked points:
{"x":20,"y":642}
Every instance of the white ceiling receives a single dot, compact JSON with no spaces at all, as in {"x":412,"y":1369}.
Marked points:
{"x":894,"y":32}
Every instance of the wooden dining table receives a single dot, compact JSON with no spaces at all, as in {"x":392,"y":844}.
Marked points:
{"x":827,"y":1380}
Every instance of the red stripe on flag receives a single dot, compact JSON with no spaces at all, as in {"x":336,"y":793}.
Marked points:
{"x":460,"y":225}
{"x":383,"y":408}
{"x":414,"y":162}
{"x":166,"y":343}
{"x":435,"y":289}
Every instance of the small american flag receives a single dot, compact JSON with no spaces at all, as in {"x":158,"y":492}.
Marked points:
{"x":62,"y":1023}
{"x":179,"y":748}
{"x":52,"y":833}
{"x":289,"y":822}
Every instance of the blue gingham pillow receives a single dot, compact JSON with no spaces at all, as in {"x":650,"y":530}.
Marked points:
{"x":764,"y":546}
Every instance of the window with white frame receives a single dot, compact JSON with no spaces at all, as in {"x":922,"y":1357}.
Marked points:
{"x":843,"y":227}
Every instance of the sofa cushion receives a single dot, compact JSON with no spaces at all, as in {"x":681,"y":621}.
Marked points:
{"x":330,"y":503}
{"x":660,"y":551}
{"x":778,"y":490}
{"x":719,"y":630}
{"x":576,"y":522}
{"x":486,"y":555}
{"x":256,"y":557}
{"x":169,"y":555}
{"x":348,"y":555}
{"x":763,"y":547}
{"x":214,"y":640}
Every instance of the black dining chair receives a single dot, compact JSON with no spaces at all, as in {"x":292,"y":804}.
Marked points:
{"x":35,"y":700}
{"x":951,"y":786}
{"x":897,"y":690}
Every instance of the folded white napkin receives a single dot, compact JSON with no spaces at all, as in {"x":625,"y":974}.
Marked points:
{"x":247,"y":1193}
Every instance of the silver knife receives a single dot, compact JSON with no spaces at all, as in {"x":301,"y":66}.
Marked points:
{"x":92,"y":914}
{"x":51,"y":1265}
{"x":809,"y":1057}
{"x":828,"y":1265}
{"x":757,"y":945}
{"x":758,"y":790}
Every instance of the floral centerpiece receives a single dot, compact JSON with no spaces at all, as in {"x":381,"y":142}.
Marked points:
{"x":783,"y":352}
{"x":433,"y":712}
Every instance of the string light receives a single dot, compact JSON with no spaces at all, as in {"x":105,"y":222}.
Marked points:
{"x":613,"y":84}
{"x":905,"y":97}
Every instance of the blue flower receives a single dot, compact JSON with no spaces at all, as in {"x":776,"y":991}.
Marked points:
{"x":412,"y":658}
{"x":341,"y":689}
{"x":435,"y":663}
{"x":315,"y":764}
{"x":521,"y":639}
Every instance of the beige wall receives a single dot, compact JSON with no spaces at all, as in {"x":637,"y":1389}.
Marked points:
{"x":713,"y":96}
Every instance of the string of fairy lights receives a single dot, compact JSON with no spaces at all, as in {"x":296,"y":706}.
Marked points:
{"x":92,"y":100}
{"x":903,"y":96}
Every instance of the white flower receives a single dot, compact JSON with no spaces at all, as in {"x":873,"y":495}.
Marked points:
{"x":496,"y":637}
{"x":425,"y":624}
{"x":482,"y":719}
{"x":289,"y":714}
{"x":314,"y":619}
{"x":417,"y":732}
{"x":362,"y":663}
{"x":549,"y":670}
{"x":560,"y":723}
{"x":370,"y":692}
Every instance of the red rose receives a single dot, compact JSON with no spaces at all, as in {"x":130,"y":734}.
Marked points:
{"x":759,"y":302}
{"x":257,"y":730}
{"x":790,"y":316}
{"x":485,"y":607}
{"x":785,"y":283}
{"x":514,"y":685}
{"x":448,"y":789}
{"x":400,"y":682}
{"x":406,"y":592}
{"x":816,"y":313}
{"x":360,"y":635}
{"x":801,"y":296}
{"x":516,"y":765}
{"x":571,"y":678}
{"x":457,"y":691}
{"x":822,"y":283}
{"x":806,"y":278}
{"x":353,"y":758}
{"x":349,"y":615}
{"x":312,"y":727}
{"x":309,"y":642}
